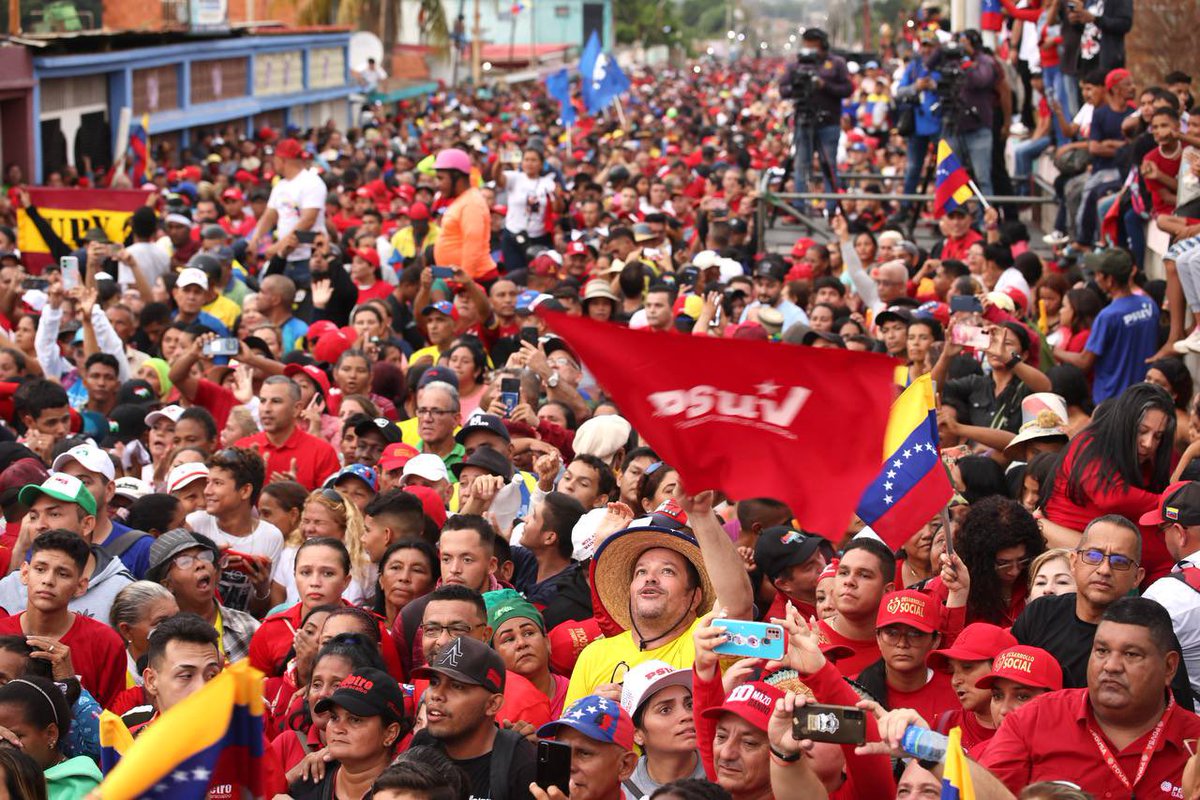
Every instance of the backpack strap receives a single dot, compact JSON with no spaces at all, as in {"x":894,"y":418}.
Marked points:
{"x":126,"y":540}
{"x":1189,"y":575}
{"x":633,"y":789}
{"x":502,"y":754}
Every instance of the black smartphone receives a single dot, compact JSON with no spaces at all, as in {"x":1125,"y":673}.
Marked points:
{"x":835,"y":724}
{"x":554,"y":766}
{"x":306,"y":237}
{"x":965,"y":302}
{"x":510,"y":394}
{"x":445,"y":273}
{"x":529,"y":333}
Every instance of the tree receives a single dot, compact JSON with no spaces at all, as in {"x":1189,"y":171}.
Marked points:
{"x":649,"y":24}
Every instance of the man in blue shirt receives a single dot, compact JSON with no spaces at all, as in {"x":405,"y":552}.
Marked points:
{"x":918,"y":85}
{"x":1125,"y":333}
{"x":769,"y":276}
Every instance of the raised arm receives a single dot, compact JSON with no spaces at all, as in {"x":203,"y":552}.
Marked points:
{"x":725,"y":567}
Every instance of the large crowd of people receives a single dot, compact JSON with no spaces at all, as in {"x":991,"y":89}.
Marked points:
{"x":308,"y":412}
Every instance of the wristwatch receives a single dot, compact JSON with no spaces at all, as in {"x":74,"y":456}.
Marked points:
{"x":1013,"y":361}
{"x":552,"y":381}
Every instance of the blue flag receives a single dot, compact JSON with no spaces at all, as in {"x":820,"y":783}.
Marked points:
{"x":602,"y":77}
{"x":558,"y":86}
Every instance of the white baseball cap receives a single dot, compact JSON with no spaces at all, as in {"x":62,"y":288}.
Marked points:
{"x":184,"y":474}
{"x":192,"y":277}
{"x":427,"y":466}
{"x":647,"y":679}
{"x":132,"y":488}
{"x":171,"y":412}
{"x":90,"y":457}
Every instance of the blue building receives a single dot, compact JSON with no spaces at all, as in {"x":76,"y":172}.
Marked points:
{"x":187,"y":86}
{"x":522,"y":32}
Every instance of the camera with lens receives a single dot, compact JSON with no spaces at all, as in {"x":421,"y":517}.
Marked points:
{"x":804,"y":77}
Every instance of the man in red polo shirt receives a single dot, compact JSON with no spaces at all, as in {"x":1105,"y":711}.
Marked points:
{"x":1121,"y":736}
{"x":865,"y":574}
{"x":289,"y":452}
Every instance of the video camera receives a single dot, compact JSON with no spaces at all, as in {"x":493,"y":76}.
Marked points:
{"x":804,"y":82}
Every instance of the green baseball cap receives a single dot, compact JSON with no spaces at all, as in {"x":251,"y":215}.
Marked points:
{"x":1115,"y":262}
{"x":60,"y":486}
{"x":505,"y":604}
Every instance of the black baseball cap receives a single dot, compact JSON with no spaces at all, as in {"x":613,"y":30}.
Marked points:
{"x":1115,"y":262}
{"x":487,"y":459}
{"x":438,"y":372}
{"x":894,"y":314}
{"x":367,"y":692}
{"x":467,"y":661}
{"x":1180,"y":504}
{"x":771,"y":268}
{"x":136,"y":392}
{"x":381,"y":425}
{"x":480,"y":421}
{"x":126,"y":423}
{"x":781,"y":546}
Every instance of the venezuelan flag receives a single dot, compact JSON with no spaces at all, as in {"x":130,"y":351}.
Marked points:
{"x":953,"y":182}
{"x":956,"y":776}
{"x":912,"y":485}
{"x":139,"y":143}
{"x":115,"y":740}
{"x":219,"y":729}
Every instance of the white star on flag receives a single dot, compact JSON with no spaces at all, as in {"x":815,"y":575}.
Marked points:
{"x":887,"y":485}
{"x":887,"y":498}
{"x":591,"y":709}
{"x":767,"y":387}
{"x":897,"y":464}
{"x":891,"y":473}
{"x":201,"y":774}
{"x":179,"y":776}
{"x":907,"y":454}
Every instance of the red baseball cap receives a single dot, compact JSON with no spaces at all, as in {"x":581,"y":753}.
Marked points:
{"x":418,"y":211}
{"x":232,"y":193}
{"x":396,"y":455}
{"x":312,"y":371}
{"x":368,"y":255}
{"x":319,"y":329}
{"x":908,"y":607}
{"x":801,"y":246}
{"x":331,"y":346}
{"x":979,"y":641}
{"x":1028,"y":666}
{"x":431,"y":503}
{"x":753,"y":702}
{"x":290,"y":148}
{"x":577,"y":249}
{"x":407,"y":192}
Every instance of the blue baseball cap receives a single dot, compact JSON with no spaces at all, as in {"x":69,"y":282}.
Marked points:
{"x":442,"y":307}
{"x":438,"y":372}
{"x":526,"y":299}
{"x":597,"y":718}
{"x":360,"y":471}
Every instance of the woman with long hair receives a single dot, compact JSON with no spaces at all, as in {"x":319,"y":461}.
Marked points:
{"x":21,"y":776}
{"x":997,"y":541}
{"x":1119,"y":464}
{"x":327,"y":513}
{"x":408,"y":569}
{"x":352,"y":375}
{"x":1075,"y":318}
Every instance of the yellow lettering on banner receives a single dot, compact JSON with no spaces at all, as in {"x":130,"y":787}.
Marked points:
{"x":70,"y":225}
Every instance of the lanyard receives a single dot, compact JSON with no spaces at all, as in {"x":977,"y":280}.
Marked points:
{"x":1111,"y":760}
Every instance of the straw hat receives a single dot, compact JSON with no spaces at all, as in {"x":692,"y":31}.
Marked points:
{"x":1044,"y":416}
{"x":617,"y":555}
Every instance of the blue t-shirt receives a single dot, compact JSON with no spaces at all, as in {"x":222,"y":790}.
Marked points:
{"x":137,"y":557}
{"x":1106,"y":124}
{"x":1123,"y":336}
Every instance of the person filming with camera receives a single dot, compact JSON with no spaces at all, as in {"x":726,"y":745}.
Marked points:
{"x":816,"y":82}
{"x":975,"y":71}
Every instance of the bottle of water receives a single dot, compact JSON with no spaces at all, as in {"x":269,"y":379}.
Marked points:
{"x":924,"y":744}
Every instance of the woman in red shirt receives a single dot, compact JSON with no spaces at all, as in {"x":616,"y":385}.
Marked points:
{"x":1119,"y":464}
{"x":364,"y":271}
{"x":1079,"y":310}
{"x":322,"y":573}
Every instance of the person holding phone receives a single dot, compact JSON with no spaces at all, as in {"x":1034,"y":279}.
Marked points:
{"x":600,"y":734}
{"x":532,"y":197}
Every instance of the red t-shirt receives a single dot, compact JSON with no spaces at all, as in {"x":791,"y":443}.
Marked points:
{"x":957,"y":248}
{"x":315,"y":458}
{"x":1167,"y":166}
{"x":1077,"y":341}
{"x":974,"y":734}
{"x":217,"y":399}
{"x":96,"y":651}
{"x":930,"y":701}
{"x":1048,"y":739}
{"x":379,"y":290}
{"x":131,"y":698}
{"x":866,"y":651}
{"x":271,"y":642}
{"x":289,"y":750}
{"x":778,"y":609}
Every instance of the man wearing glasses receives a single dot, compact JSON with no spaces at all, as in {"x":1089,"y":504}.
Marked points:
{"x":1106,"y":566}
{"x":437,"y":416}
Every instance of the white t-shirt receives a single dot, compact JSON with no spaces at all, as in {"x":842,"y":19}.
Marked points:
{"x":151,"y":259}
{"x":265,"y":540}
{"x":285,"y":576}
{"x":527,"y":199}
{"x":1012,"y":278}
{"x":291,"y":197}
{"x":1083,"y":118}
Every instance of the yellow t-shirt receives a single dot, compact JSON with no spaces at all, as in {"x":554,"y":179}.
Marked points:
{"x":431,"y":352}
{"x":225,"y":310}
{"x":607,"y":660}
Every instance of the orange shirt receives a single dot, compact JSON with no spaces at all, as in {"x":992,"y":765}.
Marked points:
{"x":466,"y":235}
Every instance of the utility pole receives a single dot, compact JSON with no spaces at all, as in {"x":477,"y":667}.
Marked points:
{"x":476,"y":49}
{"x":867,"y":25}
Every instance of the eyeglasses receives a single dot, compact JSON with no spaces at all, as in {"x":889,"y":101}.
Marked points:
{"x":1009,"y":564}
{"x":433,"y":412}
{"x":892,"y":635}
{"x":435,"y":630}
{"x":187,"y":560}
{"x":1094,"y":557}
{"x":560,"y":362}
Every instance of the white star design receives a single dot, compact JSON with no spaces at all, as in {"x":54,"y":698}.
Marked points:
{"x":576,"y":715}
{"x":891,"y":473}
{"x":767,"y":387}
{"x":179,"y":776}
{"x":201,"y":774}
{"x":887,"y":485}
{"x":887,"y":498}
{"x":907,"y":454}
{"x":930,"y":448}
{"x":897,"y":464}
{"x":591,"y":709}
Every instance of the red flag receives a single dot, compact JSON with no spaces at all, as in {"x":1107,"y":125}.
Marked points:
{"x":753,"y":419}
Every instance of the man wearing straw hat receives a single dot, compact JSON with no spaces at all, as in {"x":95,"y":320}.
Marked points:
{"x":655,"y":579}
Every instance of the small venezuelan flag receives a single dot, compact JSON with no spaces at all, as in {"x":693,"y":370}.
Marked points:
{"x":953,"y":182}
{"x":218,"y":730}
{"x":956,"y":777}
{"x":912,"y":486}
